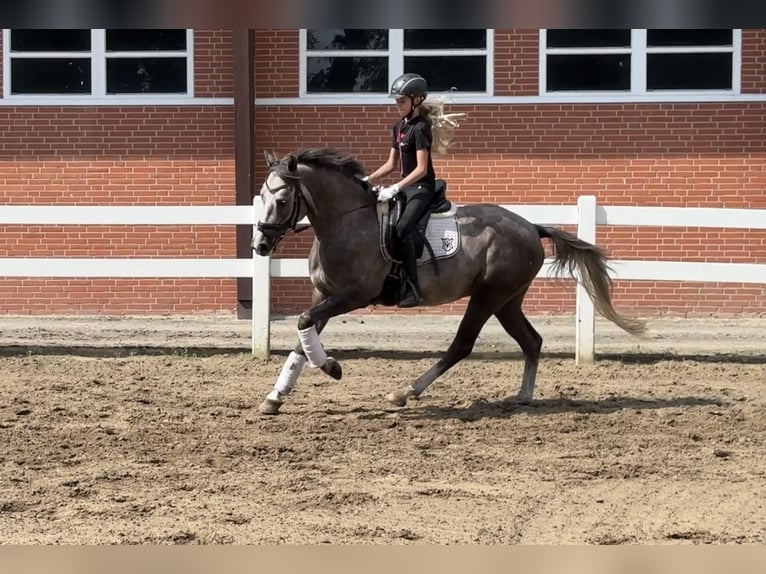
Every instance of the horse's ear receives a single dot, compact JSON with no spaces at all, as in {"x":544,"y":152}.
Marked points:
{"x":271,"y":159}
{"x":292,"y":164}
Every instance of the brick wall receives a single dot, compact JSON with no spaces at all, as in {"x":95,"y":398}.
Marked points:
{"x":647,"y":154}
{"x":276,"y":63}
{"x":517,"y":62}
{"x":125,"y":155}
{"x":701,"y":155}
{"x":213,"y":69}
{"x":754,"y":61}
{"x":651,"y":155}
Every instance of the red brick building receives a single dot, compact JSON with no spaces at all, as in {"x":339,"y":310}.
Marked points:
{"x":634,"y":117}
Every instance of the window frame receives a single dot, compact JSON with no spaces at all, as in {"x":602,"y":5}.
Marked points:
{"x":98,"y":56}
{"x":638,"y":51}
{"x":395,"y":54}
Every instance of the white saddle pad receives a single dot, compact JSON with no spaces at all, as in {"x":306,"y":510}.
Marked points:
{"x":442,"y":232}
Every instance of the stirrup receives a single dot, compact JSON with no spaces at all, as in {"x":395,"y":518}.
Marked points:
{"x":412,"y":297}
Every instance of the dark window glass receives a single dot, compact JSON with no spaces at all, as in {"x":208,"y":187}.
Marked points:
{"x":588,"y":72}
{"x":347,"y":39}
{"x":50,"y":76}
{"x":145,"y":40}
{"x":588,"y":38}
{"x":347,"y":75}
{"x":444,"y":39}
{"x":50,"y":40}
{"x":688,"y":71}
{"x":145,"y":75}
{"x":689,"y":37}
{"x":466,"y":73}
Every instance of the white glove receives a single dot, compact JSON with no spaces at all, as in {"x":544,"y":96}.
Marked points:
{"x":387,"y":193}
{"x":366,"y":178}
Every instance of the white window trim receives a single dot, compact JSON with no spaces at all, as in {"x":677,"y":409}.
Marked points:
{"x":98,"y":95}
{"x":638,"y":51}
{"x":395,"y":55}
{"x":672,"y":96}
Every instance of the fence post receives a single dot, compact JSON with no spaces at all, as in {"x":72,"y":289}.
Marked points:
{"x":585,"y":328}
{"x":261,"y":308}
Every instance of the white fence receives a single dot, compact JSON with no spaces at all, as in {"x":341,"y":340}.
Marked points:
{"x":587,"y":215}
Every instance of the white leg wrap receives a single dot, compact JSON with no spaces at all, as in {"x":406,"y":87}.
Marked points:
{"x":291,"y":370}
{"x":312,"y":346}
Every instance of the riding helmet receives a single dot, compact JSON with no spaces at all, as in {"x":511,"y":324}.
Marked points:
{"x":409,"y":84}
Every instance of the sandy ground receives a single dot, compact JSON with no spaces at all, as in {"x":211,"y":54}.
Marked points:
{"x":137,"y":431}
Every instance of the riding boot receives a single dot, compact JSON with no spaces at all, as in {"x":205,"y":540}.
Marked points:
{"x":412,"y":297}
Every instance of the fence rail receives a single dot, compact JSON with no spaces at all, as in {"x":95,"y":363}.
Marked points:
{"x":586,"y":215}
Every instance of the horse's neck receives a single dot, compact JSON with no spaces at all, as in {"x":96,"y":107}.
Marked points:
{"x":336,"y":202}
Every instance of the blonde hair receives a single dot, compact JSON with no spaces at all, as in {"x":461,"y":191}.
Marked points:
{"x":443,"y":125}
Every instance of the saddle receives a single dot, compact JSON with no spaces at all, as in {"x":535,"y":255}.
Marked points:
{"x":439,"y":204}
{"x":443,"y":230}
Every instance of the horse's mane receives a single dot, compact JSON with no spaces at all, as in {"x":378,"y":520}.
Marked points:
{"x":331,"y":159}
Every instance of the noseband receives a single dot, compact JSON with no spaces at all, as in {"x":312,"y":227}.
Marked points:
{"x":275,"y":231}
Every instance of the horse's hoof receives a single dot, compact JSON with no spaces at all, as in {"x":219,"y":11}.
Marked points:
{"x":399,"y":398}
{"x":333,"y":368}
{"x":269,"y":407}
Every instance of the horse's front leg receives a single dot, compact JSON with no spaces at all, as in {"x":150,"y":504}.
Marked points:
{"x":309,"y":348}
{"x":311,"y":323}
{"x":287,"y":380}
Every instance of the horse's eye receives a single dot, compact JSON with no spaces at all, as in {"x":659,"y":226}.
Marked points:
{"x":282,"y":202}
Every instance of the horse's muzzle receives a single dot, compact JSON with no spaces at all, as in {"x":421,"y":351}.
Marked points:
{"x":263,"y":247}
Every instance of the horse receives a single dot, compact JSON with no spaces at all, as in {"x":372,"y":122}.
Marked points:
{"x":499,"y":256}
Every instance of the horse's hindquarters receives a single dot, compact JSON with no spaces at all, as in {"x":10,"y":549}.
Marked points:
{"x":499,"y":253}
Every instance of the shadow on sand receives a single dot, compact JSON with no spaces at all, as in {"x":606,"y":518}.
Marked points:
{"x":633,"y":357}
{"x":507,"y":408}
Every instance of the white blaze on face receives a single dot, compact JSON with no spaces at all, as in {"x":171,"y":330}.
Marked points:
{"x":269,"y":211}
{"x":269,"y":198}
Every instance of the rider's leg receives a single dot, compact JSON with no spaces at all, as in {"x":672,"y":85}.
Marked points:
{"x":418,"y":198}
{"x":412,"y":297}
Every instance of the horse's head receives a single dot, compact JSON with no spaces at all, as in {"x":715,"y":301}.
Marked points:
{"x":282,"y":203}
{"x":321,"y":184}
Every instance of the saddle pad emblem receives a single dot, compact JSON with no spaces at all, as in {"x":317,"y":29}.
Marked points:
{"x":443,"y":235}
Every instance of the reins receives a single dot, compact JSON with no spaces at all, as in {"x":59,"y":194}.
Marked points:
{"x":341,"y":214}
{"x":291,"y":223}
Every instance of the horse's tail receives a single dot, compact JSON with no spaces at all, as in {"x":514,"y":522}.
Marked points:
{"x":573,"y":254}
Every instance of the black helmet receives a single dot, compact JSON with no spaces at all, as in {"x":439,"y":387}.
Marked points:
{"x":412,"y":85}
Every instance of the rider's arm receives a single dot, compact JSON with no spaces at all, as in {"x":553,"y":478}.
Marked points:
{"x":386,"y":168}
{"x":421,"y":169}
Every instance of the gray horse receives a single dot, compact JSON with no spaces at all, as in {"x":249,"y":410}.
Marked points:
{"x":501,"y":254}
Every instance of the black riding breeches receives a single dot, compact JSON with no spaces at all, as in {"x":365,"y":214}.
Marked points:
{"x":418,"y":199}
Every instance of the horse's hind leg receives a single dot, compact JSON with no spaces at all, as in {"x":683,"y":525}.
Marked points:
{"x":512,"y":318}
{"x":479,"y":311}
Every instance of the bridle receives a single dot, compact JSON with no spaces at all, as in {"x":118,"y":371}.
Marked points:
{"x":275,"y":231}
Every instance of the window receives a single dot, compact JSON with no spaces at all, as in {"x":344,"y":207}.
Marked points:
{"x":97,"y":62}
{"x":366,"y":61}
{"x":639,"y":61}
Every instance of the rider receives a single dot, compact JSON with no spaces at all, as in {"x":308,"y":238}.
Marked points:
{"x":411,"y":147}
